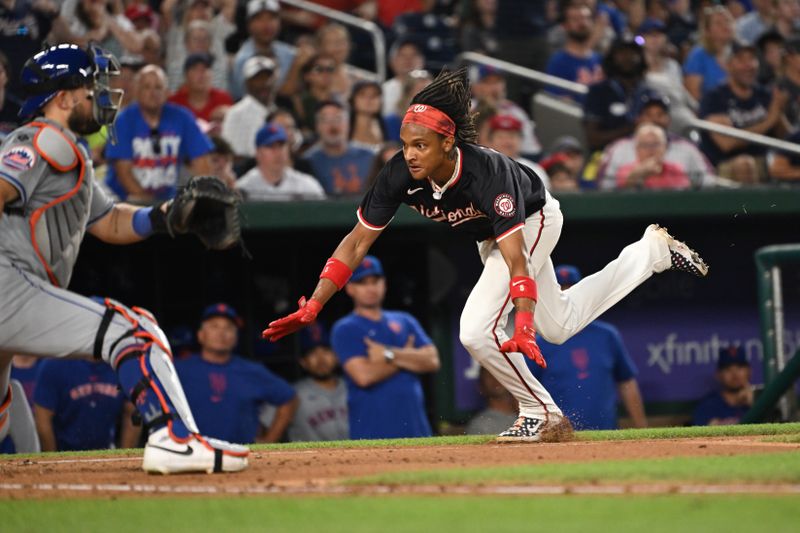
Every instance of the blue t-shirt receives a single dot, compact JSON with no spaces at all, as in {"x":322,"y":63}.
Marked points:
{"x":586,"y":70}
{"x":394,"y":407}
{"x":226,"y":398}
{"x":86,"y":400}
{"x":713,"y":407}
{"x":701,"y":63}
{"x":582,"y":374}
{"x":344,"y":175}
{"x":608,"y":104}
{"x":156,"y":155}
{"x":742,"y":113}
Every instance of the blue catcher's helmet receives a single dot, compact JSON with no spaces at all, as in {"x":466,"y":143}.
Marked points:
{"x":66,"y":66}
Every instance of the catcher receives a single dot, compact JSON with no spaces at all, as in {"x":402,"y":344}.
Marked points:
{"x":49,"y":199}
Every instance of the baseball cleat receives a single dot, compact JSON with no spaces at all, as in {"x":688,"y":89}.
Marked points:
{"x":683,"y":258}
{"x":555,"y":428}
{"x":165,"y":455}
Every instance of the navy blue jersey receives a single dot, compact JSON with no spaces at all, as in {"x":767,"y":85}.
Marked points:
{"x":582,"y":374}
{"x":490,"y":198}
{"x":714,"y":410}
{"x":394,"y":407}
{"x":86,"y":400}
{"x":225,"y":398}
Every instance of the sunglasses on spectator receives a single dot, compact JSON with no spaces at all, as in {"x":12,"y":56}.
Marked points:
{"x":324,"y":68}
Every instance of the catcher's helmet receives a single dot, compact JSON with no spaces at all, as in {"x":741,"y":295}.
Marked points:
{"x":66,"y":66}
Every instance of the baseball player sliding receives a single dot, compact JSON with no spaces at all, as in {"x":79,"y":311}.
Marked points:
{"x":49,"y":198}
{"x":444,"y":176}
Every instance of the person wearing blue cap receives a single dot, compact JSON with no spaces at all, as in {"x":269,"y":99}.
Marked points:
{"x":382,"y":353}
{"x":733,"y":399}
{"x":322,"y":413}
{"x":273,"y":177}
{"x":591,"y":372}
{"x":226,"y":391}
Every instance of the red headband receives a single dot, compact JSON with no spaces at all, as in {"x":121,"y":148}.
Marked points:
{"x":431,"y":118}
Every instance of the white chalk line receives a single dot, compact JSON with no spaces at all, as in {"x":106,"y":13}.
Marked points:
{"x":404,"y":489}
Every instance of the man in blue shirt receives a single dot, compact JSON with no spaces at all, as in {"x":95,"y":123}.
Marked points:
{"x":226,"y":391}
{"x":735,"y":397}
{"x":382,"y":352}
{"x":587,"y":374}
{"x":78,"y":404}
{"x":341,"y":167}
{"x":155,"y":138}
{"x":576,"y":61}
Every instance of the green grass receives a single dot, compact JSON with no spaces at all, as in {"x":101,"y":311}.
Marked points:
{"x":791,"y":439}
{"x":756,"y":468}
{"x":622,"y":434}
{"x":654,"y":514}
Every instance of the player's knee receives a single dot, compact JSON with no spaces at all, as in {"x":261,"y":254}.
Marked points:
{"x":475,"y":340}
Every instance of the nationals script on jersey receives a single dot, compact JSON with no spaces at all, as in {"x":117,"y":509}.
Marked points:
{"x":490,"y":196}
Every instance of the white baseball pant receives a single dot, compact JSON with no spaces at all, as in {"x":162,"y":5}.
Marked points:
{"x":559,"y":314}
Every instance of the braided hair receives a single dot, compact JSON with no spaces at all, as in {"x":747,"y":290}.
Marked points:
{"x":449,"y":93}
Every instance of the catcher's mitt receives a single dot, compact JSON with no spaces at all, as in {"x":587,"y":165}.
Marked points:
{"x":207,"y":208}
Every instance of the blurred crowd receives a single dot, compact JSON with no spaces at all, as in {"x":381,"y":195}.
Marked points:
{"x":284,"y":104}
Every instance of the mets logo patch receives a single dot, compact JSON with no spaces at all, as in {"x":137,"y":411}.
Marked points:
{"x":395,"y":326}
{"x":19,"y":158}
{"x":504,"y":205}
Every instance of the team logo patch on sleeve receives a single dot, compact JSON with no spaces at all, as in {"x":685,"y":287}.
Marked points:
{"x":504,"y":205}
{"x":19,"y":158}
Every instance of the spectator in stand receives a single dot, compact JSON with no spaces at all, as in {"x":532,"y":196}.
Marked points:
{"x":192,"y":27}
{"x":78,"y":405}
{"x":651,"y":170}
{"x":220,"y":161}
{"x":155,"y":137}
{"x":226,"y":391}
{"x":576,"y":61}
{"x":246,"y":116}
{"x":490,"y":89}
{"x":607,"y":110}
{"x":415,"y":82}
{"x":405,"y":57}
{"x":562,"y":179}
{"x":382,"y":353}
{"x":607,"y":24}
{"x":681,"y":26}
{"x":141,"y":16}
{"x":704,"y":68}
{"x":273,"y":178}
{"x":570,"y":152}
{"x":478,"y":31}
{"x":743,"y":104}
{"x":317,"y":87}
{"x":284,"y":117}
{"x":590,"y":372}
{"x":501,"y":408}
{"x":340,"y":167}
{"x":152,"y":48}
{"x":197,"y":93}
{"x":771,"y":48}
{"x":665,"y":76}
{"x":652,"y":108}
{"x":9,"y":103}
{"x":367,"y":128}
{"x":505,"y":136}
{"x":322,"y":411}
{"x":96,"y":21}
{"x":263,"y":27}
{"x":789,"y":82}
{"x":735,"y":396}
{"x":333,"y":41}
{"x":787,"y":18}
{"x":752,"y":25}
{"x":784,"y":167}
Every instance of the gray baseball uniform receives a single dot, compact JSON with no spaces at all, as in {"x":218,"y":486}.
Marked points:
{"x":322,"y":413}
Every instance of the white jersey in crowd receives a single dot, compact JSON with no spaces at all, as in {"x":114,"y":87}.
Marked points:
{"x":679,"y":151}
{"x":321,"y":414}
{"x":241,"y":123}
{"x":293,"y":185}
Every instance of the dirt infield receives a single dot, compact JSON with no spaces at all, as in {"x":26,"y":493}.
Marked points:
{"x":319,"y":471}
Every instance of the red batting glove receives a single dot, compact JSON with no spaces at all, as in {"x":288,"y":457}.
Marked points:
{"x":289,"y":324}
{"x":524,"y":339}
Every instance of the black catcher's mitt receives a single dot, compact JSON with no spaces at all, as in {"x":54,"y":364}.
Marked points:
{"x":207,"y":208}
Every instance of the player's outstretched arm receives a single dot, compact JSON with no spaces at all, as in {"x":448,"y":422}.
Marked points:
{"x":117,"y":226}
{"x":523,"y":293}
{"x":337,"y":270}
